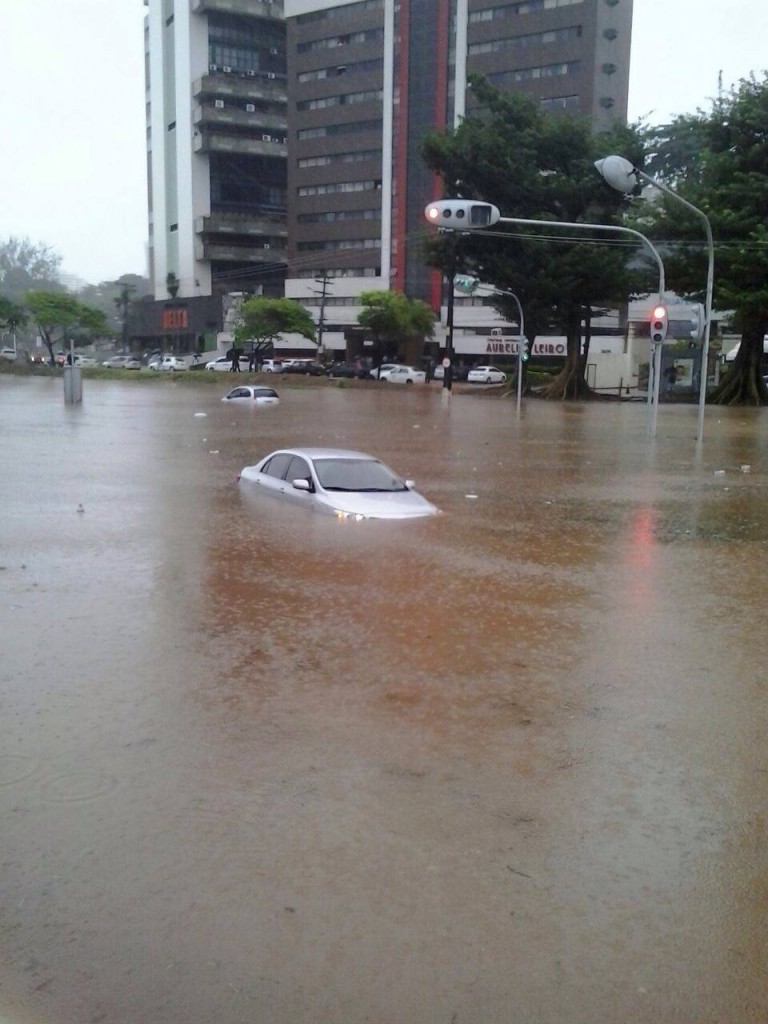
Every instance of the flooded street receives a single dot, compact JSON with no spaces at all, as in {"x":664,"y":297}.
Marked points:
{"x":506,"y":764}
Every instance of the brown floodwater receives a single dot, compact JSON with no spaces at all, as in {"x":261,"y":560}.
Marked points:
{"x":506,"y":764}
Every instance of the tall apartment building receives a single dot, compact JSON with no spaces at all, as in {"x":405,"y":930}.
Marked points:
{"x":366,"y":80}
{"x":216,"y":146}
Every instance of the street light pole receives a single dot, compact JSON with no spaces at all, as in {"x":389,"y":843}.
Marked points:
{"x":655,"y":358}
{"x":622,"y":175}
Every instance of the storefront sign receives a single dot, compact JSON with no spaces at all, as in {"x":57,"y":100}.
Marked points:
{"x":174,"y":320}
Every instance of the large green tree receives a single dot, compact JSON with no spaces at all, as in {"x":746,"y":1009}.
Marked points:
{"x":718,"y":161}
{"x":59,"y":316}
{"x":392,"y":318}
{"x":264,"y":320}
{"x":539,"y":166}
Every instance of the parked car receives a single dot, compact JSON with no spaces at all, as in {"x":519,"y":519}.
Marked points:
{"x":354,"y":370}
{"x":81,"y":360}
{"x":252,"y":394}
{"x":400,"y":374}
{"x":271,"y":366}
{"x":122,"y":363}
{"x":9,"y":354}
{"x":307,"y":367}
{"x":377,"y":371}
{"x":168,"y":364}
{"x":224,"y":363}
{"x":486,"y":375}
{"x":337,"y":481}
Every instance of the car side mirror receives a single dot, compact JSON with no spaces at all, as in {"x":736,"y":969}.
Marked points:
{"x":410,"y":484}
{"x":301,"y":484}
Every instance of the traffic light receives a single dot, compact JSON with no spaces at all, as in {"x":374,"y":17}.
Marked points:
{"x":523,"y":343}
{"x":698,"y":322}
{"x":465,"y":283}
{"x":659,"y":324}
{"x":461,"y":214}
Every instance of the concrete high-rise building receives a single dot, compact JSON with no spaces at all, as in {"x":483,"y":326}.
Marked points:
{"x":367,"y":79}
{"x":216,"y":146}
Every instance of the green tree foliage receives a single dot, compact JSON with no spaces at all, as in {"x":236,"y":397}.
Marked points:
{"x":718,"y":161}
{"x":538,"y":166}
{"x":393,"y":318}
{"x":110,"y":297}
{"x":59,"y":316}
{"x":264,"y":320}
{"x":26,"y":265}
{"x":11,"y":316}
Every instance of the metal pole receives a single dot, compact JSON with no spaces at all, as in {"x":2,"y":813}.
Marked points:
{"x":707,"y":301}
{"x":653,"y":392}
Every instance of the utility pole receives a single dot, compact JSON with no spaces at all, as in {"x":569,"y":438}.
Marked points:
{"x":323,"y":281}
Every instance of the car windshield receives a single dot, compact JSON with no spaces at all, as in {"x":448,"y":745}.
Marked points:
{"x":356,"y":475}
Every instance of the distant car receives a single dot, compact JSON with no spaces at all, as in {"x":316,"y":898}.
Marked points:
{"x":252,"y":394}
{"x":306,"y":367}
{"x":80,"y":360}
{"x":459,"y":372}
{"x":486,"y":375}
{"x":337,"y":481}
{"x":271,"y":366}
{"x":9,"y":354}
{"x":378,"y":372}
{"x":353,"y":370}
{"x":224,"y":363}
{"x":400,"y":374}
{"x":122,"y":363}
{"x":168,"y":364}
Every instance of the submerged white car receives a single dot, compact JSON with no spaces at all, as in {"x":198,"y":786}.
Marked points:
{"x":252,"y":394}
{"x":486,"y":375}
{"x":337,"y":481}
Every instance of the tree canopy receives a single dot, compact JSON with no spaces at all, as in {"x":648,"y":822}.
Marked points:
{"x":26,"y":265}
{"x":538,"y":166}
{"x":60,"y":316}
{"x":718,"y":161}
{"x":263,"y":320}
{"x":392,"y":318}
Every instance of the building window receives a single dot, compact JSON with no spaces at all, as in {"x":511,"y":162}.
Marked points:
{"x":371,"y":35}
{"x":358,"y":68}
{"x":503,"y":78}
{"x":340,"y":12}
{"x":334,"y":216}
{"x":334,"y":188}
{"x":560,"y":103}
{"x":558,"y":35}
{"x":522,"y":7}
{"x":338,"y":129}
{"x":344,"y":100}
{"x":342,"y":243}
{"x":171,"y":126}
{"x":174,"y":227}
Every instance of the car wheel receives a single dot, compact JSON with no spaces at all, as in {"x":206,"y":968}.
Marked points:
{"x":409,"y":381}
{"x":487,"y":380}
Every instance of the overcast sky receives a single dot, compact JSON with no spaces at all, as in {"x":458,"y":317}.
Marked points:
{"x":73,"y":163}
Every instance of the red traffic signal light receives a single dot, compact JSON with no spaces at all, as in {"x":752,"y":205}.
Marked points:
{"x":461,"y":214}
{"x":659,"y":324}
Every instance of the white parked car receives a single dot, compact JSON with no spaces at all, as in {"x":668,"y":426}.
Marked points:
{"x":122,"y":363}
{"x":224,"y":364}
{"x":486,"y":375}
{"x":168,"y":364}
{"x":380,"y":372}
{"x":85,"y":360}
{"x":8,"y":353}
{"x":399,"y":374}
{"x":343,"y":483}
{"x":252,"y":394}
{"x":271,"y":366}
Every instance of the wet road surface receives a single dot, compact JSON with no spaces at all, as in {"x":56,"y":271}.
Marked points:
{"x":506,"y":764}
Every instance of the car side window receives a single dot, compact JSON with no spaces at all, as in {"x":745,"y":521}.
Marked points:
{"x":240,"y":393}
{"x":299,"y":470}
{"x":277,"y":465}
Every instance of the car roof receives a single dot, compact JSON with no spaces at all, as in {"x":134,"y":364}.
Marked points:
{"x":325,"y":453}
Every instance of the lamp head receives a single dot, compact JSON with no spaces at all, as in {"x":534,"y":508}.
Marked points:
{"x":619,"y":172}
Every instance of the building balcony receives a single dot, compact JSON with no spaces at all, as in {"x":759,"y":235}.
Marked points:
{"x":213,"y":117}
{"x":223,"y":253}
{"x":246,"y":8}
{"x":244,"y":224}
{"x":258,"y":86}
{"x":218,"y":142}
